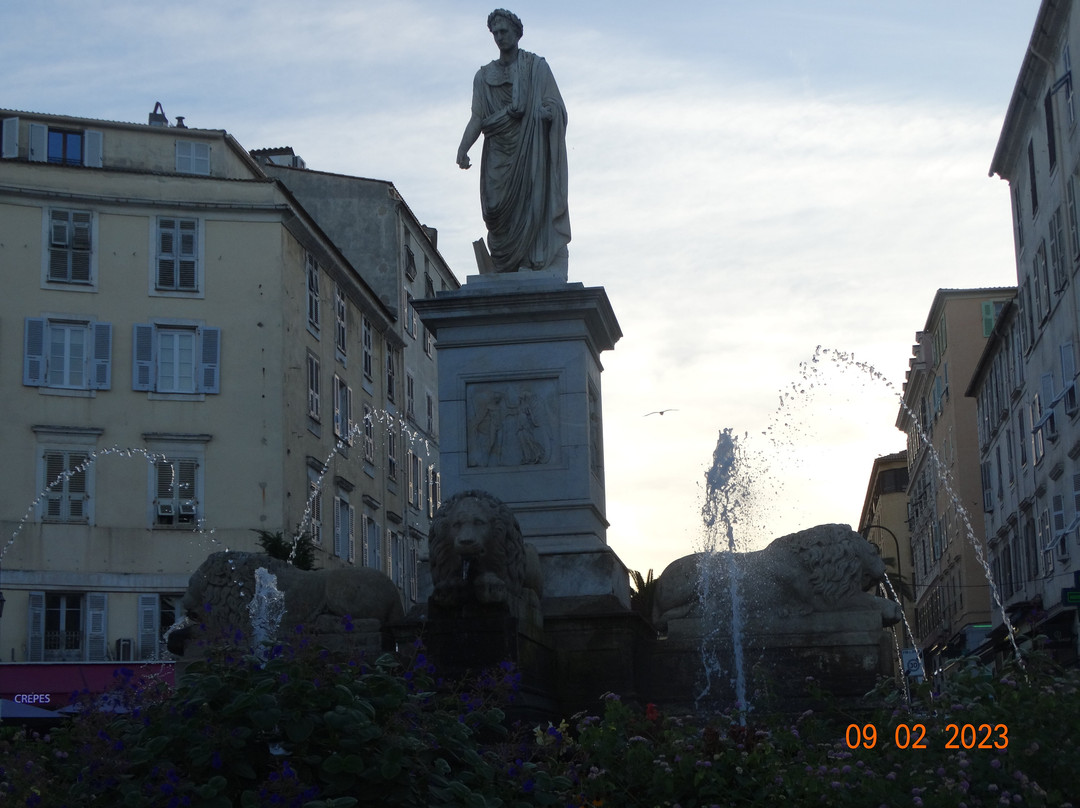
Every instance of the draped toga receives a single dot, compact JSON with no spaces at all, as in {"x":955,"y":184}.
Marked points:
{"x":523,"y":167}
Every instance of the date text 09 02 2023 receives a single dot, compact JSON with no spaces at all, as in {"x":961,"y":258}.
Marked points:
{"x":914,"y":736}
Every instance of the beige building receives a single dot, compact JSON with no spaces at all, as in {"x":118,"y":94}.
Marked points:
{"x":952,"y":595}
{"x":883,"y":521}
{"x":190,"y":357}
{"x":1025,"y":385}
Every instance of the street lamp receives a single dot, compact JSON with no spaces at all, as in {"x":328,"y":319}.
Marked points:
{"x":866,"y":535}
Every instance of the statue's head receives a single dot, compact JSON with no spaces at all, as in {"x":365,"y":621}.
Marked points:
{"x":510,"y":17}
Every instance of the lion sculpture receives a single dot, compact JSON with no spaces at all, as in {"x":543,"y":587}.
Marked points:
{"x":827,"y":568}
{"x":477,"y":556}
{"x":330,"y":603}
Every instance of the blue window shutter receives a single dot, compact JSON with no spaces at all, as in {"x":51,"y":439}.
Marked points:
{"x":210,"y":363}
{"x":101,"y":362}
{"x":34,"y":368}
{"x":142,"y":357}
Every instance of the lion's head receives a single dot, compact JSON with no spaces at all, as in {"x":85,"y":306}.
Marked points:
{"x":475,"y":547}
{"x":836,"y":561}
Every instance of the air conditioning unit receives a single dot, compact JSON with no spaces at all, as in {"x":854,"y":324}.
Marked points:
{"x":124,"y":649}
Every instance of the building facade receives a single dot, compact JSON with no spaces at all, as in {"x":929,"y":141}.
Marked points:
{"x":196,"y":359}
{"x":1025,"y":384}
{"x":952,"y":594}
{"x":884,"y":522}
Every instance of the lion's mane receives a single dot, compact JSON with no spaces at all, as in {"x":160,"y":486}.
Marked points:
{"x":821,"y":569}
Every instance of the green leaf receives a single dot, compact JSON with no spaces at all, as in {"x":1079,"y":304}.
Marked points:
{"x":300,"y":729}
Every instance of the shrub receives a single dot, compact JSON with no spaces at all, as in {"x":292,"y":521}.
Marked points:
{"x":301,"y":727}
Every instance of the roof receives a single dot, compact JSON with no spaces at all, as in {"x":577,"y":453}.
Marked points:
{"x":1030,"y":80}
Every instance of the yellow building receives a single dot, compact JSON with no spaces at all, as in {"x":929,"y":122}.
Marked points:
{"x":952,"y":594}
{"x":883,"y":521}
{"x":188,"y":357}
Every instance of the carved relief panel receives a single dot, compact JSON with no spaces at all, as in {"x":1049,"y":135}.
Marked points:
{"x":512,"y":422}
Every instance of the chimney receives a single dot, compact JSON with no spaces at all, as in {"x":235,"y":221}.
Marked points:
{"x":157,"y":117}
{"x":432,"y":235}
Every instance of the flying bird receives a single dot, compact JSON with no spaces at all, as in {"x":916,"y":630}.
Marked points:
{"x":659,"y":412}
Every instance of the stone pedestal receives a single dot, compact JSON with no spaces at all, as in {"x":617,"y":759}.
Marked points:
{"x":482,"y":639}
{"x":520,"y":415}
{"x":843,"y":652}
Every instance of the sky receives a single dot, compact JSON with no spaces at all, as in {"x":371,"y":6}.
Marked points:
{"x":755,"y":185}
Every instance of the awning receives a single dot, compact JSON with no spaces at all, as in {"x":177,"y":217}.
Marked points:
{"x":19,"y":713}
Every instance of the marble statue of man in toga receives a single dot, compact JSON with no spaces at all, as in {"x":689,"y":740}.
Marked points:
{"x":517,"y":106}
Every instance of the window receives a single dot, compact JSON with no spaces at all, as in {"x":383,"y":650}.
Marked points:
{"x":177,"y":489}
{"x":1047,"y":540}
{"x":1018,"y":218}
{"x":1047,"y":422}
{"x":1051,"y":136}
{"x":434,"y":492}
{"x":344,"y":529}
{"x":411,"y":320}
{"x":1060,"y":529}
{"x":391,"y":455}
{"x":192,"y":157}
{"x":1058,"y":258}
{"x":67,"y":354}
{"x":372,"y":543}
{"x":1038,"y":447}
{"x":342,"y":411}
{"x":1041,"y":287}
{"x":70,"y":250}
{"x":415,"y":479}
{"x":157,"y":614}
{"x":65,"y":147}
{"x":66,"y":627}
{"x":391,"y":374}
{"x":315,"y":506}
{"x":313,"y":384}
{"x":988,"y":497}
{"x":69,"y":147}
{"x":369,"y":435}
{"x":312,"y":274}
{"x":1068,"y":378}
{"x":989,"y":313}
{"x":1066,"y":71}
{"x":64,"y":482}
{"x":430,"y":414}
{"x":1022,"y":432}
{"x":176,"y":359}
{"x":339,"y":323}
{"x":410,"y":263}
{"x":410,"y":396}
{"x":178,"y":266}
{"x":397,"y":560}
{"x":368,"y":346}
{"x":1031,"y":176}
